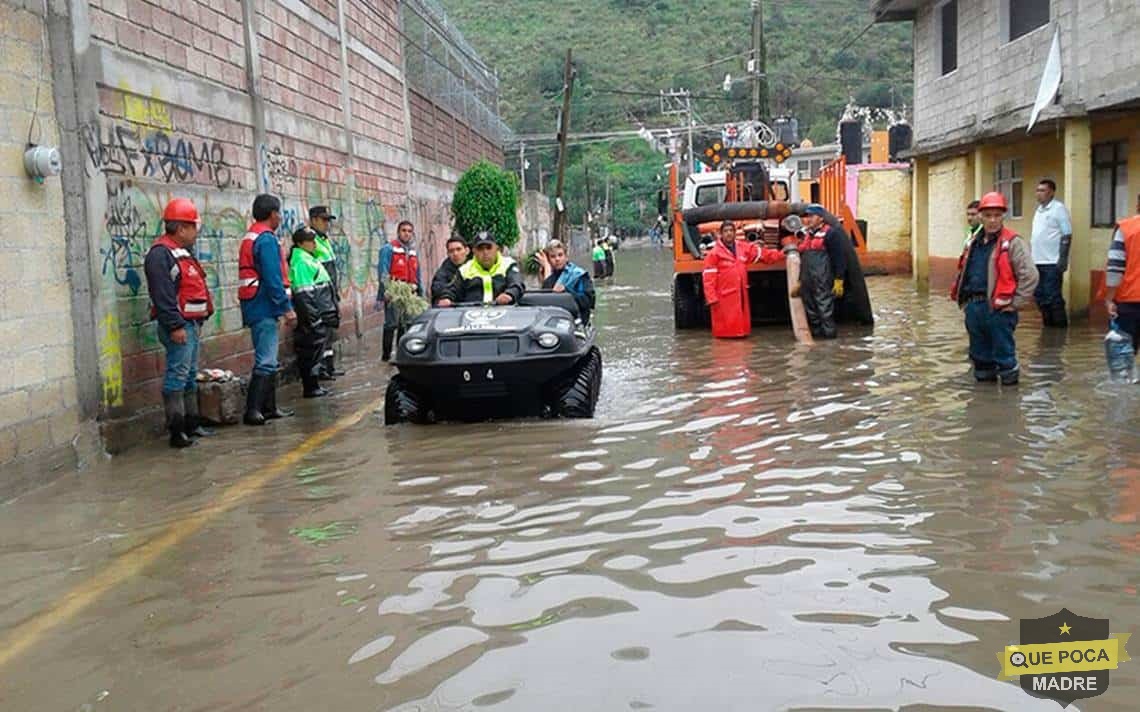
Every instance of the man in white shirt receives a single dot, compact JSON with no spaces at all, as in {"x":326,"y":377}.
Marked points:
{"x":1052,"y":237}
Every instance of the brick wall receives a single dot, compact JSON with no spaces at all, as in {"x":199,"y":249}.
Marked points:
{"x":326,"y":124}
{"x":39,"y":415}
{"x":994,"y":87}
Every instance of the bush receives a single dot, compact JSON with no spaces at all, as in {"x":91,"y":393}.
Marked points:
{"x":486,"y":198}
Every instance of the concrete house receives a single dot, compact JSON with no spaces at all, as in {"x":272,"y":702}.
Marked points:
{"x":978,"y":65}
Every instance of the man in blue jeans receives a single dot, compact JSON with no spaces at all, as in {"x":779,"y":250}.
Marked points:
{"x":1052,"y":238}
{"x":263,"y":290}
{"x":180,"y":302}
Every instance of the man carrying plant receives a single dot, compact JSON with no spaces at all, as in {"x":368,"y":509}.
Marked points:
{"x":398,"y":262}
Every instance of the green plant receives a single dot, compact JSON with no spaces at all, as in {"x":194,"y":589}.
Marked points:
{"x":403,"y":298}
{"x":486,"y":198}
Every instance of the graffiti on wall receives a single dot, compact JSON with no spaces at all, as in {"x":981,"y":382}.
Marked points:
{"x":128,"y":151}
{"x":111,"y":361}
{"x":278,"y":171}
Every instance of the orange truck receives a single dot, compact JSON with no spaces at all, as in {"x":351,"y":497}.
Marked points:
{"x":746,"y":178}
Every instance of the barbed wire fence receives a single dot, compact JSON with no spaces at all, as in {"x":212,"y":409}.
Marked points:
{"x":443,"y":66}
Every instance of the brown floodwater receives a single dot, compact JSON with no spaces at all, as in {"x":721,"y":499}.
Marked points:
{"x":747,"y":525}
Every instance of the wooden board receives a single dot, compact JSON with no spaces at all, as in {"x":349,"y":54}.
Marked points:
{"x":795,"y":304}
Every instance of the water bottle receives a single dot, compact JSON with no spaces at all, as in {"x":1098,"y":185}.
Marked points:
{"x":1119,"y":353}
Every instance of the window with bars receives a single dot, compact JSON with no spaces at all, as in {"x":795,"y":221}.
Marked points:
{"x":1008,"y":182}
{"x":1110,"y":183}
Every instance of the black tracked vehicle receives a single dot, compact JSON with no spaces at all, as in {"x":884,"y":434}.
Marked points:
{"x":473,"y":362}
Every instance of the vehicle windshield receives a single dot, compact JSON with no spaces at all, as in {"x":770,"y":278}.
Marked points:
{"x":710,"y":194}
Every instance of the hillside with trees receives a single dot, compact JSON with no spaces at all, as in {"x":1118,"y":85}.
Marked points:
{"x":821,"y":54}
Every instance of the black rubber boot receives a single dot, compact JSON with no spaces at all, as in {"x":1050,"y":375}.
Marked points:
{"x":175,"y":420}
{"x":1010,"y":377}
{"x":254,"y":396}
{"x":389,"y":337}
{"x":193,"y":425}
{"x":269,"y":409}
{"x":312,"y":387}
{"x":329,"y":367}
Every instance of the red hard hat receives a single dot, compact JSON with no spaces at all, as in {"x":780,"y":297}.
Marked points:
{"x":180,"y":210}
{"x":993,"y":199}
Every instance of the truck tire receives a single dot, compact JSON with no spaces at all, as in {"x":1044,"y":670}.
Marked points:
{"x":689,"y":311}
{"x":403,"y":405}
{"x":579,"y":397}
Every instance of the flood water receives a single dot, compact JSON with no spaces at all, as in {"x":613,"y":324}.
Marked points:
{"x":749,"y":525}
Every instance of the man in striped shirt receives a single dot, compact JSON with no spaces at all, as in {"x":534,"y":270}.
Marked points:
{"x":1123,"y":276}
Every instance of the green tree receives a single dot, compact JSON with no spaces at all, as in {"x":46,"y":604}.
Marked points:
{"x":487,"y":198}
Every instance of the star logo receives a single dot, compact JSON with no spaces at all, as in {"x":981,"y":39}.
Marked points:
{"x":1064,"y":627}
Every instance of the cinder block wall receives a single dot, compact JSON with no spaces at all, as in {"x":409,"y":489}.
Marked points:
{"x":39,"y":414}
{"x":218,"y":101}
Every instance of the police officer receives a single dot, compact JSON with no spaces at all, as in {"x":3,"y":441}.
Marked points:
{"x":263,"y":290}
{"x":180,"y":302}
{"x":316,"y":309}
{"x":320,"y":219}
{"x":398,"y":261}
{"x":490,"y":278}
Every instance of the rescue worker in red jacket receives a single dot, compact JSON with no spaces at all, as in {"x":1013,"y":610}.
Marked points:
{"x":823,"y":264}
{"x":725,"y":281}
{"x":398,"y":261}
{"x":996,"y":277}
{"x":180,"y":302}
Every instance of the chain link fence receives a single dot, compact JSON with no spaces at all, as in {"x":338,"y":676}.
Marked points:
{"x":445,"y":68}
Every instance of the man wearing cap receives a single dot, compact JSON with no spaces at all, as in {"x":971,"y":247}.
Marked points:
{"x":180,"y":302}
{"x":490,"y":278}
{"x":996,"y":277}
{"x":398,"y":261}
{"x":823,"y":264}
{"x":320,"y":220}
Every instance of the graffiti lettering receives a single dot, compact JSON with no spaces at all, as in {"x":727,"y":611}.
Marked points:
{"x":120,"y":150}
{"x":111,"y":362}
{"x":129,"y":232}
{"x":279,"y":171}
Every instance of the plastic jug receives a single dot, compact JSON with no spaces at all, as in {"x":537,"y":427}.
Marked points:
{"x":1119,"y":353}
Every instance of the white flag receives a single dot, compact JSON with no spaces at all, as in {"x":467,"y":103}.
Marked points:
{"x":1050,"y":80}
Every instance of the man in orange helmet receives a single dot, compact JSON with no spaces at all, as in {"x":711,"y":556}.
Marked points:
{"x":180,"y":302}
{"x":996,"y":277}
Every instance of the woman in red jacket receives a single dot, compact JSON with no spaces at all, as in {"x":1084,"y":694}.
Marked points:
{"x":726,"y":281}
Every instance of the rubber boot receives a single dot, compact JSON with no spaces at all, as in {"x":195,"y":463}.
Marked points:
{"x":1010,"y":377}
{"x":329,"y":367}
{"x":254,"y":396}
{"x":269,"y":408}
{"x":175,"y":420}
{"x":389,"y":337}
{"x":193,"y":426}
{"x":985,"y":372}
{"x":312,"y":386}
{"x":1060,"y":318}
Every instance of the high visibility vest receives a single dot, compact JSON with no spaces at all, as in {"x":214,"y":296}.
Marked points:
{"x":474,"y":270}
{"x":194,"y":302}
{"x":1129,"y":289}
{"x":405,"y":263}
{"x":815,"y":241}
{"x":248,"y":278}
{"x":1005,"y":279}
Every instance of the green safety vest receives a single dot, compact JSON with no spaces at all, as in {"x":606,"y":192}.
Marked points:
{"x":971,"y":232}
{"x":473,"y":270}
{"x":599,"y":253}
{"x":305,"y":270}
{"x":324,"y":251}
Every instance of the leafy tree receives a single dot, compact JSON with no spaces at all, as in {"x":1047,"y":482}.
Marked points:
{"x":486,"y":198}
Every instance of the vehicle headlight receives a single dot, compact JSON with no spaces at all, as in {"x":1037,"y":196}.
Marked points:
{"x":415,"y":346}
{"x":548,"y":340}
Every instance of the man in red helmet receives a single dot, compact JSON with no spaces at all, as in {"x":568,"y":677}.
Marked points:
{"x":180,"y":302}
{"x":996,"y":277}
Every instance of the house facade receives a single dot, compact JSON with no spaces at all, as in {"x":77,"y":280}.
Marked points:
{"x":978,"y":66}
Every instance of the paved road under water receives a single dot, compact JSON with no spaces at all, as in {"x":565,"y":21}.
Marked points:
{"x":745,"y":526}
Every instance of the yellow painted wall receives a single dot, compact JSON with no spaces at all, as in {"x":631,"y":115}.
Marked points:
{"x":1041,"y":157}
{"x":950,"y":185}
{"x":884,"y":202}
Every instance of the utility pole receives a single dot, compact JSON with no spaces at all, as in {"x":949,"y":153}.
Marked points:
{"x":589,"y":206}
{"x":759,"y":64}
{"x":540,"y":175}
{"x":689,"y":122}
{"x":522,"y":166}
{"x":563,"y":130}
